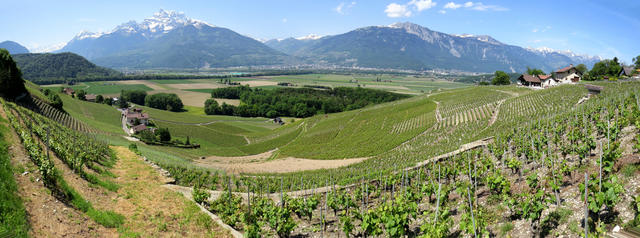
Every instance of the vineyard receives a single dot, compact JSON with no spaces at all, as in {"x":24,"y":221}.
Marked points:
{"x":541,"y":144}
{"x":484,"y":161}
{"x":90,"y":159}
{"x":528,"y":180}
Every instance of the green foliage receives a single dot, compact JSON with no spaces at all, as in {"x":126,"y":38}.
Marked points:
{"x":636,"y":62}
{"x":296,"y":102}
{"x":60,"y":68}
{"x":11,"y":83}
{"x":500,"y":78}
{"x":81,"y":94}
{"x":228,"y":207}
{"x":164,"y":101}
{"x":397,"y":215}
{"x":230,"y":92}
{"x":431,"y":229}
{"x":200,"y":195}
{"x":211,"y":107}
{"x":279,"y":218}
{"x":534,"y":71}
{"x":163,"y":135}
{"x":134,"y":96}
{"x":606,"y":67}
{"x":582,"y":68}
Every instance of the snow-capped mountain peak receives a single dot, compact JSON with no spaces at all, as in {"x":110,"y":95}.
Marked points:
{"x":577,"y":57}
{"x":309,"y":37}
{"x":87,"y":34}
{"x":161,"y":22}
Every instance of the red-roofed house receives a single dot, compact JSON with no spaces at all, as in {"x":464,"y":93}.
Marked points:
{"x":131,"y":114}
{"x":537,"y":81}
{"x":568,"y":74}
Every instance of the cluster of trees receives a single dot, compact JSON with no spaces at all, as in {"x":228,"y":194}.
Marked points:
{"x":39,"y":68}
{"x":501,"y":78}
{"x":53,"y":97}
{"x":163,"y":101}
{"x":608,"y":68}
{"x":295,"y":102}
{"x":11,"y":83}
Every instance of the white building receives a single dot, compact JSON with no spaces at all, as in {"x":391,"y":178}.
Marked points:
{"x":568,"y":74}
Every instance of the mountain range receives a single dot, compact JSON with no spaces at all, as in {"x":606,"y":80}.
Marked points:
{"x":171,"y":40}
{"x":411,"y":46}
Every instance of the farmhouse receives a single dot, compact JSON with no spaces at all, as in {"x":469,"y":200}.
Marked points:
{"x":138,"y":128}
{"x":68,"y":91}
{"x":627,"y":71}
{"x":90,"y":97}
{"x":529,"y":80}
{"x":568,"y":74}
{"x":133,"y":114}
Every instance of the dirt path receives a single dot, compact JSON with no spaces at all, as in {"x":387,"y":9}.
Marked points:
{"x":261,"y":163}
{"x":276,"y":196}
{"x":152,"y":210}
{"x":494,"y":117}
{"x":438,"y":116}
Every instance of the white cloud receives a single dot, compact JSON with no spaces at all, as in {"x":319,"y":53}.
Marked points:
{"x":343,"y":7}
{"x":395,"y":10}
{"x":452,"y":5}
{"x":534,"y":30}
{"x":478,"y":6}
{"x":442,"y":11}
{"x":284,"y":20}
{"x":422,"y":5}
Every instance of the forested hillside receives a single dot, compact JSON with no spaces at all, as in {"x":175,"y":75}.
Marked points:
{"x":59,"y":68}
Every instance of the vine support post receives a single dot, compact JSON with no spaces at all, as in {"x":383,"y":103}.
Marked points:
{"x":600,"y":182}
{"x":586,"y":208}
{"x":437,"y":204}
{"x":473,"y":220}
{"x":281,"y":193}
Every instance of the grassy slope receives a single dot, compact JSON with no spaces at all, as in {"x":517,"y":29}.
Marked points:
{"x":105,"y":87}
{"x":13,"y":217}
{"x":364,"y":132}
{"x":100,"y":116}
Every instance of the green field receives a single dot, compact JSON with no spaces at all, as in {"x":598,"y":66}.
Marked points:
{"x":105,"y":88}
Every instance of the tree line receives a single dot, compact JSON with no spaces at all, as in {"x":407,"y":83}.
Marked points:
{"x":294,"y":102}
{"x":163,"y":101}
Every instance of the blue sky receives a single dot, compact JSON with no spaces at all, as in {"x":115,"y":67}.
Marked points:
{"x":604,"y":28}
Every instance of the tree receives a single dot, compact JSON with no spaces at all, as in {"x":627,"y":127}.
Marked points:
{"x":211,"y":107}
{"x":163,"y":134}
{"x":582,"y":68}
{"x":535,"y":71}
{"x":81,"y":94}
{"x":636,"y":62}
{"x":99,"y":99}
{"x":134,"y":96}
{"x":55,"y":101}
{"x":122,"y":103}
{"x":164,"y":101}
{"x":501,"y":78}
{"x":11,"y":83}
{"x":605,"y":68}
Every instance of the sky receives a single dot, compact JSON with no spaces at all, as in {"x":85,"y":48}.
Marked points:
{"x":604,"y":28}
